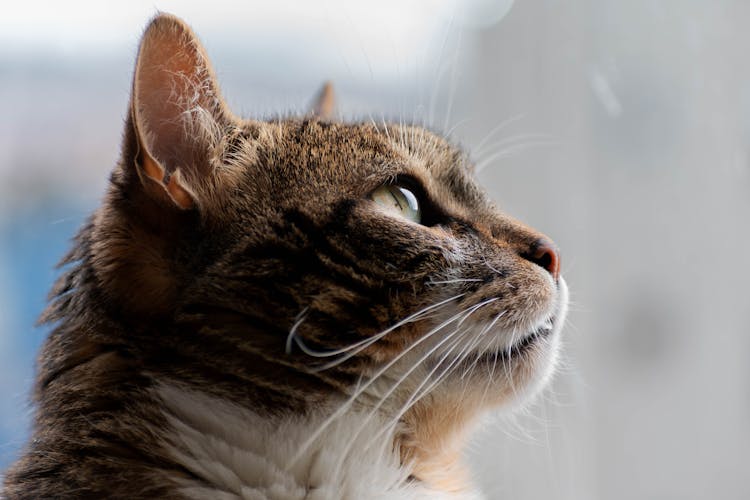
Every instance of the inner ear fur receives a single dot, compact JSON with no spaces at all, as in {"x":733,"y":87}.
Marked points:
{"x":177,"y":113}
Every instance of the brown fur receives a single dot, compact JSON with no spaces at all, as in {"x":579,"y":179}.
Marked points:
{"x":215,"y":235}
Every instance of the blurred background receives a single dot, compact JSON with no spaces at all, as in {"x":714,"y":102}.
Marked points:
{"x":621,"y":129}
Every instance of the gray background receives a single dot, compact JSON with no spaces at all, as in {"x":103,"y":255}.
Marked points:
{"x":621,"y":129}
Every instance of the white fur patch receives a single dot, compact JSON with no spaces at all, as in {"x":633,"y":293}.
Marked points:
{"x":240,"y":455}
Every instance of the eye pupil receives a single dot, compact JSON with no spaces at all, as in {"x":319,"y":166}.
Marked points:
{"x":398,"y":200}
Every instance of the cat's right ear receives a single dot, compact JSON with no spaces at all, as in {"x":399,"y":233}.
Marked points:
{"x":176,"y":113}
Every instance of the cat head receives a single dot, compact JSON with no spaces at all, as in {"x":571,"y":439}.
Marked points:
{"x":287,"y":261}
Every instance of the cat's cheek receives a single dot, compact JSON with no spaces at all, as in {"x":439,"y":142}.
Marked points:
{"x":131,"y":265}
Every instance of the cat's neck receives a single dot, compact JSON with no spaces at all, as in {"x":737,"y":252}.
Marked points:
{"x":354,"y":455}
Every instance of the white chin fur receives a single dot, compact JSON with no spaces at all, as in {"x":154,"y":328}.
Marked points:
{"x":240,"y":455}
{"x":484,"y":340}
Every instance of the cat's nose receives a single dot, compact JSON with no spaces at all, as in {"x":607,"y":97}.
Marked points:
{"x":543,"y":252}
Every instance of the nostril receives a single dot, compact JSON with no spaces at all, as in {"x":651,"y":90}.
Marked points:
{"x":544,"y":253}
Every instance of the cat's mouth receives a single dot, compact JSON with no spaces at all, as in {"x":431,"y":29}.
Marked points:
{"x":514,"y":352}
{"x":518,"y":347}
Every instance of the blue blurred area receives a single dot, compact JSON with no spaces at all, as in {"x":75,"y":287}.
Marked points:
{"x":30,"y":246}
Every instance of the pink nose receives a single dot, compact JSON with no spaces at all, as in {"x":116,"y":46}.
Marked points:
{"x":544,"y":253}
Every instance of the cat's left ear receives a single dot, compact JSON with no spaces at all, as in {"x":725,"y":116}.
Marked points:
{"x":177,"y":113}
{"x":324,"y":106}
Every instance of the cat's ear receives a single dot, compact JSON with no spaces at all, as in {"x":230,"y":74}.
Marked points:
{"x":324,"y":106}
{"x":177,"y":113}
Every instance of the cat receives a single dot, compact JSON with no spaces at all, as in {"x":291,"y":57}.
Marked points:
{"x":286,"y":309}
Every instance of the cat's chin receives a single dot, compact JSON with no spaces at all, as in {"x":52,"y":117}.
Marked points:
{"x":508,"y":367}
{"x":475,"y":382}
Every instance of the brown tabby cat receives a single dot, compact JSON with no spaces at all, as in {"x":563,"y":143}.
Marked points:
{"x":291,"y":309}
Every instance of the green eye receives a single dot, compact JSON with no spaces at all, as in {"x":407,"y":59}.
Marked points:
{"x":398,"y":200}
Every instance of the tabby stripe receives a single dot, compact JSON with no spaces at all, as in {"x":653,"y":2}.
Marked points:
{"x":243,"y":371}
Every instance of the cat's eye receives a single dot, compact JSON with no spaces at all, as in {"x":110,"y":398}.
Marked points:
{"x":398,"y":200}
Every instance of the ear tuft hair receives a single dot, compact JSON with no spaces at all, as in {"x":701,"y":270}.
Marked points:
{"x":177,"y":111}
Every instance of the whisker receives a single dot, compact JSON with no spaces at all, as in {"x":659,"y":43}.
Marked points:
{"x":417,"y":395}
{"x":447,"y":371}
{"x":370,"y":340}
{"x":509,"y":152}
{"x":395,"y":386}
{"x":441,"y":70}
{"x":419,"y":362}
{"x":453,"y":83}
{"x":511,"y":346}
{"x":489,"y":266}
{"x":448,"y":132}
{"x":347,"y":404}
{"x":293,"y":330}
{"x":513,"y":140}
{"x":479,"y":338}
{"x":363,"y":344}
{"x":457,"y":280}
{"x":497,"y":129}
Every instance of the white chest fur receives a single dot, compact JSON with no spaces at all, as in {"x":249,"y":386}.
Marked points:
{"x":239,"y":455}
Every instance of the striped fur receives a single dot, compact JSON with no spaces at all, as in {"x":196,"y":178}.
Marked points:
{"x":237,"y":271}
